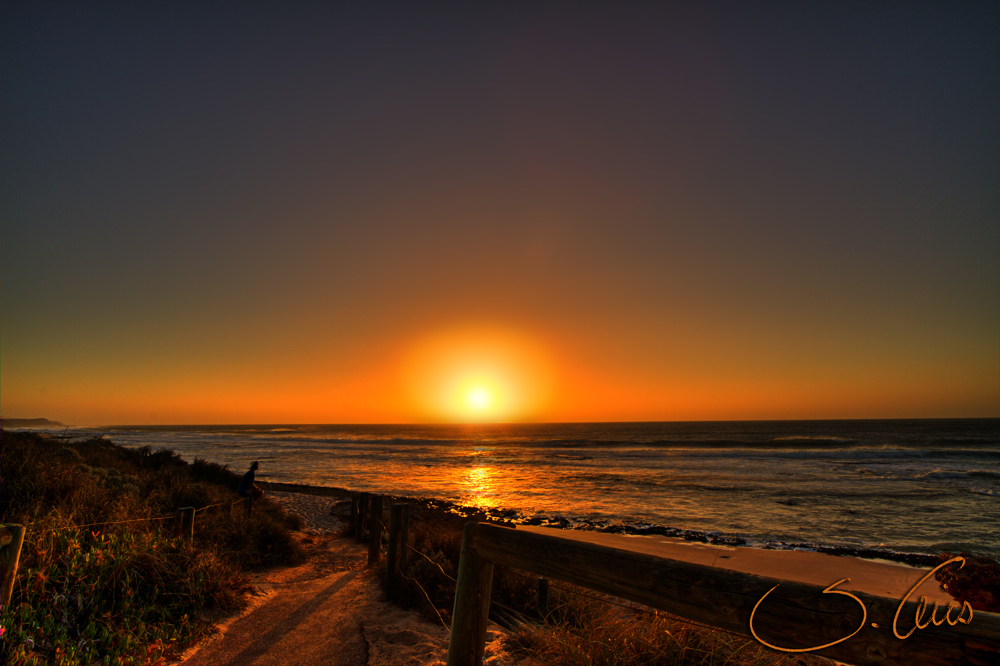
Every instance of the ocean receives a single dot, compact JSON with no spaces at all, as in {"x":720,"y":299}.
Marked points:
{"x":893,"y":486}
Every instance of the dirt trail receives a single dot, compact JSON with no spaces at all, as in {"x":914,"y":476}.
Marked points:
{"x":326,"y":611}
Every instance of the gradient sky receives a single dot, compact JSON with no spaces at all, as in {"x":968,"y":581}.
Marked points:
{"x":281,"y":213}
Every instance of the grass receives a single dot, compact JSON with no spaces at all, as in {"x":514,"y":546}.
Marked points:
{"x":103,"y":576}
{"x":585,"y":629}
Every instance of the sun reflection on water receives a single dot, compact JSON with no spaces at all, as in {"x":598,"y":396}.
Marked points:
{"x":480,"y":487}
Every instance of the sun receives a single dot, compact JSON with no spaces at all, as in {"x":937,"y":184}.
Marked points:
{"x":478,"y":375}
{"x":478,"y":394}
{"x":479,"y":398}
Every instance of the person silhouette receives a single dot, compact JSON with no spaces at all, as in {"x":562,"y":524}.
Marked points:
{"x":247,"y":487}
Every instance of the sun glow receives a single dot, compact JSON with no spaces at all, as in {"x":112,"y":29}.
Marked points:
{"x":478,"y":375}
{"x":479,"y":398}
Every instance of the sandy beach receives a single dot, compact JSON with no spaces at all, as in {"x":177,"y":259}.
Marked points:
{"x":313,"y":509}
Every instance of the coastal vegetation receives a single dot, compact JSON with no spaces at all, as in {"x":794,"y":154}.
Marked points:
{"x":104,"y":576}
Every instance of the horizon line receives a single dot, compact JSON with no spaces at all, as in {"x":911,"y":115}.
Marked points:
{"x":59,"y":424}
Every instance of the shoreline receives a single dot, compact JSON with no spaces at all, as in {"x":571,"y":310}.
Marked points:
{"x":878,"y":576}
{"x":514,"y":518}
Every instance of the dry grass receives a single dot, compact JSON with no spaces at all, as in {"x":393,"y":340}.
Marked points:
{"x":580,"y":629}
{"x":101,"y":578}
{"x":583,"y":629}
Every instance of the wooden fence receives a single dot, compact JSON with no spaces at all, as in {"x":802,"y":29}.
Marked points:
{"x":796,"y":617}
{"x":853,"y":627}
{"x":366,"y":524}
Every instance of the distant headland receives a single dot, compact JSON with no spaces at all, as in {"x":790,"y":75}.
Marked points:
{"x":22,"y":423}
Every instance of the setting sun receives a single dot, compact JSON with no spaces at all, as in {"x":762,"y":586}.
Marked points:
{"x":479,"y":398}
{"x":478,"y":375}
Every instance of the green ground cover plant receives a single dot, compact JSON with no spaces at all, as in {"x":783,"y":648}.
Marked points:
{"x":104,"y":577}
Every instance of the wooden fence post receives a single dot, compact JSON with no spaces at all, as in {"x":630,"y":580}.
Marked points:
{"x":359,"y":531}
{"x":404,"y":534}
{"x":375,"y":529}
{"x":354,"y":512}
{"x":11,"y":538}
{"x":186,"y":517}
{"x":543,"y":597}
{"x":472,"y":605}
{"x":393,"y":551}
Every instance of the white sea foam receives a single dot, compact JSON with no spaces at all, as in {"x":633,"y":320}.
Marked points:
{"x":964,"y":474}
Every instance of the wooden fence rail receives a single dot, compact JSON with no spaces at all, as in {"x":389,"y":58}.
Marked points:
{"x":794,"y":617}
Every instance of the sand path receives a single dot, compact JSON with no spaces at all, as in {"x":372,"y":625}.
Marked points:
{"x":326,"y":611}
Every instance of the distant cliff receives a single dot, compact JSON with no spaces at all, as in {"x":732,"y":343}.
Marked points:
{"x":24,"y":423}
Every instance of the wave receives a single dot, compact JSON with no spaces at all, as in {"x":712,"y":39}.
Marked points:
{"x":968,"y":474}
{"x":961,"y":438}
{"x":916,"y":556}
{"x":794,"y":448}
{"x":812,"y":438}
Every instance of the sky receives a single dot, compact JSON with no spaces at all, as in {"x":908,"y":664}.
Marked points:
{"x":430,"y":212}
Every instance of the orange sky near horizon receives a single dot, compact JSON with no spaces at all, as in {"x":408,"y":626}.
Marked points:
{"x":548,"y":213}
{"x":427,"y":379}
